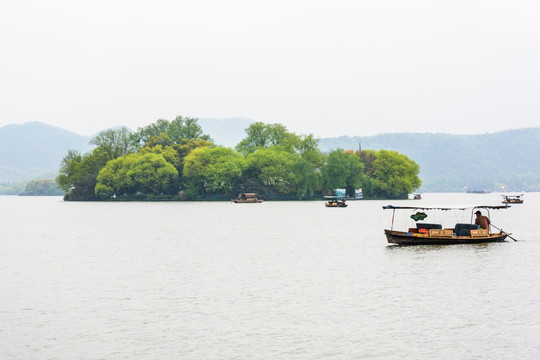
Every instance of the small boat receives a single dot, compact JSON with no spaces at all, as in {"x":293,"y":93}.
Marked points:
{"x":435,"y":234}
{"x":335,"y":201}
{"x":417,"y":196}
{"x":476,"y":192}
{"x":247,"y":198}
{"x":512,"y":199}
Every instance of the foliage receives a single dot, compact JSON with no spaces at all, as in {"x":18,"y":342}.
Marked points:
{"x":127,"y":175}
{"x":273,"y":167}
{"x":394,"y":175}
{"x":83,"y":189}
{"x":279,"y":159}
{"x":172,"y":152}
{"x":368,"y":157}
{"x":306,"y":179}
{"x":178,"y":130}
{"x":342,"y":170}
{"x":212,"y":169}
{"x":177,"y":159}
{"x":69,"y":170}
{"x":307,"y":146}
{"x":168,"y":152}
{"x":12,"y":189}
{"x":260,"y":135}
{"x":448,"y":162}
{"x":45,"y":187}
{"x":114,"y":142}
{"x":78,"y":173}
{"x":186,"y":147}
{"x":451,"y":163}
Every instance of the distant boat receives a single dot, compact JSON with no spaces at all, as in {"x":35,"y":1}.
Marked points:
{"x":247,"y":198}
{"x":417,"y":196}
{"x":335,"y":201}
{"x":512,"y":199}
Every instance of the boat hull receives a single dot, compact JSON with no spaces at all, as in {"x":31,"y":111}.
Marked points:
{"x":403,"y":238}
{"x":247,"y":201}
{"x":334,"y":205}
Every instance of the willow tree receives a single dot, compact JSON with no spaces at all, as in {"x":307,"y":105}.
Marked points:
{"x":342,"y":169}
{"x":179,"y":130}
{"x":394,"y":175}
{"x":139,"y":173}
{"x":212,"y":169}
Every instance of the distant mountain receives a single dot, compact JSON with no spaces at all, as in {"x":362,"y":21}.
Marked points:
{"x":33,"y":149}
{"x":447,"y":162}
{"x":452,"y":162}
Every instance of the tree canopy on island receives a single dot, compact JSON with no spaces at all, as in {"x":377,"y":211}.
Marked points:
{"x":176,"y":160}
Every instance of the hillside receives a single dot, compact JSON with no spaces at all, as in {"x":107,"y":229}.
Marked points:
{"x":452,"y":162}
{"x":447,"y":162}
{"x":33,"y":149}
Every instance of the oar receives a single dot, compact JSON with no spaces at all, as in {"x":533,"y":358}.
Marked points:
{"x":504,"y":232}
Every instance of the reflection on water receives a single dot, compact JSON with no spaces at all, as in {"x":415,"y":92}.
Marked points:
{"x":436,"y":248}
{"x":277,"y":280}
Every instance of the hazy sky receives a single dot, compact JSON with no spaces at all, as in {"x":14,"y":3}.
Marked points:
{"x":341,"y":67}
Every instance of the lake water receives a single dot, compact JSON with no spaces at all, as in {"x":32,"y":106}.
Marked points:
{"x":277,"y":280}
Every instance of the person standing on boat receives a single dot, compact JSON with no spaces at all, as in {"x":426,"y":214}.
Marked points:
{"x":482,"y":220}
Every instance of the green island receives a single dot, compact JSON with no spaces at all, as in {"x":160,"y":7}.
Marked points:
{"x":175,"y":160}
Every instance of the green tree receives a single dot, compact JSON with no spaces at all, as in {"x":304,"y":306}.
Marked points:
{"x":163,"y":144}
{"x":179,"y":130}
{"x":112,"y":180}
{"x":212,"y":169}
{"x":147,"y":174}
{"x":69,"y":170}
{"x":367,"y":157}
{"x":168,"y":152}
{"x":78,"y":173}
{"x":83,"y":189}
{"x":273,"y":167}
{"x":306,"y":178}
{"x":342,"y":170}
{"x":307,"y":146}
{"x":260,"y":135}
{"x":42,"y":187}
{"x":114,"y":142}
{"x":394,"y":175}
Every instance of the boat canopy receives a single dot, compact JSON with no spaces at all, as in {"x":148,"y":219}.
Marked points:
{"x":466,"y":207}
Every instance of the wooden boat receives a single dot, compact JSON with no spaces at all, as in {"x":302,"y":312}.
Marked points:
{"x":247,"y":198}
{"x":434,"y":234}
{"x":512,"y":199}
{"x":335,"y":201}
{"x":406,"y":238}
